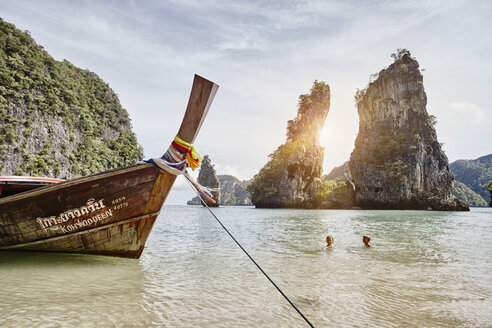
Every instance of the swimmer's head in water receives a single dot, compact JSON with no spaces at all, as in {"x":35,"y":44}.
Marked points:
{"x":366,"y":240}
{"x":329,"y":240}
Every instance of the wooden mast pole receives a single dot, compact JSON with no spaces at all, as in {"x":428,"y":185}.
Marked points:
{"x":201,"y":97}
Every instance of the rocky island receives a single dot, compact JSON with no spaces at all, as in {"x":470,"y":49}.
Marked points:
{"x":233,"y":191}
{"x":292,"y":176}
{"x":57,"y":120}
{"x":398,"y":163}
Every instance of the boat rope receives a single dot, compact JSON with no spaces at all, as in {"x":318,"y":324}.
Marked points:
{"x":255,"y":263}
{"x":179,"y":156}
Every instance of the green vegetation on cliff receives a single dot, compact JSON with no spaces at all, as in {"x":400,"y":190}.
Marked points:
{"x":489,"y":187}
{"x":57,"y":119}
{"x":461,"y":191}
{"x":475,"y":174}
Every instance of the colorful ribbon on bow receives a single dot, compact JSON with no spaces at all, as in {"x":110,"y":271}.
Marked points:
{"x":177,"y":158}
{"x":194,"y":159}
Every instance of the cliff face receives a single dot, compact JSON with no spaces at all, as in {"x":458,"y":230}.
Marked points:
{"x":233,"y":191}
{"x":292,"y":176}
{"x":397,"y":161}
{"x":56,"y":119}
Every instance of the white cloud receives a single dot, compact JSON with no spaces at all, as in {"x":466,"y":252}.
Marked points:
{"x":227,"y":169}
{"x":462,"y":111}
{"x":264,"y":54}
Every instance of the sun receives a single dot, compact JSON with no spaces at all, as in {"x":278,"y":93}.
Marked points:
{"x":323,"y":135}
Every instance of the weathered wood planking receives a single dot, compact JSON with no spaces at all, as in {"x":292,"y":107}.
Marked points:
{"x":199,"y":103}
{"x":124,"y":238}
{"x":112,"y":196}
{"x":109,"y":213}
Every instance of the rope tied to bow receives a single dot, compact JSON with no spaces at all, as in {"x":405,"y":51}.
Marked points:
{"x":179,"y":156}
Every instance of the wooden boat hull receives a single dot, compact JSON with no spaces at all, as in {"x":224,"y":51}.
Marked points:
{"x":109,"y":213}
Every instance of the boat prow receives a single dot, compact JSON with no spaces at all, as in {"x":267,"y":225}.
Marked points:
{"x":108,"y":213}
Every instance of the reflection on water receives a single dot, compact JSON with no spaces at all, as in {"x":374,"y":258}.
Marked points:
{"x":425,"y":269}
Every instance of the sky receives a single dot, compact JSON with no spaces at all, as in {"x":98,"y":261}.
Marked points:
{"x":263,"y":55}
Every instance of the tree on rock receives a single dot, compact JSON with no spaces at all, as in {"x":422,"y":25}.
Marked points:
{"x":489,"y":187}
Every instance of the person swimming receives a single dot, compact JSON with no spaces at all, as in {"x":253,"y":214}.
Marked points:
{"x":366,"y":240}
{"x":329,"y":241}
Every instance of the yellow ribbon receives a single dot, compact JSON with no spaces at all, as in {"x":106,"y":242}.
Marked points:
{"x":194,"y":159}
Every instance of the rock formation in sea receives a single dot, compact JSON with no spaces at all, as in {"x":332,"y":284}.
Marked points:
{"x":398,"y":163}
{"x":208,"y":178}
{"x":56,"y":119}
{"x":292,"y":176}
{"x":233,"y":191}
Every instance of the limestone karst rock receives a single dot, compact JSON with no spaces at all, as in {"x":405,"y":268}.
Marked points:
{"x":292,"y":176}
{"x":398,"y":162}
{"x":233,"y":191}
{"x":56,"y":119}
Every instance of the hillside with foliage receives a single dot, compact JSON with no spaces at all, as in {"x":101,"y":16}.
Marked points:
{"x":461,"y":191}
{"x":57,"y":120}
{"x":489,"y":188}
{"x":475,"y":174}
{"x":339,"y":173}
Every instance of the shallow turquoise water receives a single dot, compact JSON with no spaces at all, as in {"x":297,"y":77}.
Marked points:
{"x":426,"y":269}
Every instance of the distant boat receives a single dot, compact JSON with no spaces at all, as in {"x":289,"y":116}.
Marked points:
{"x":108,"y":213}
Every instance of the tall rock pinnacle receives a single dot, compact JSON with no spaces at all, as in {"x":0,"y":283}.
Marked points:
{"x":293,"y":174}
{"x":397,"y":161}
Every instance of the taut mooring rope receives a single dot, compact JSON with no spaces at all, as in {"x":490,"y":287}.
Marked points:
{"x":177,"y":158}
{"x":245,"y":252}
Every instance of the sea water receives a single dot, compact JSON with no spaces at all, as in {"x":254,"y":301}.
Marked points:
{"x":426,"y":269}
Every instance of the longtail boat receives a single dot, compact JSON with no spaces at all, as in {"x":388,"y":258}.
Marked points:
{"x":108,"y":213}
